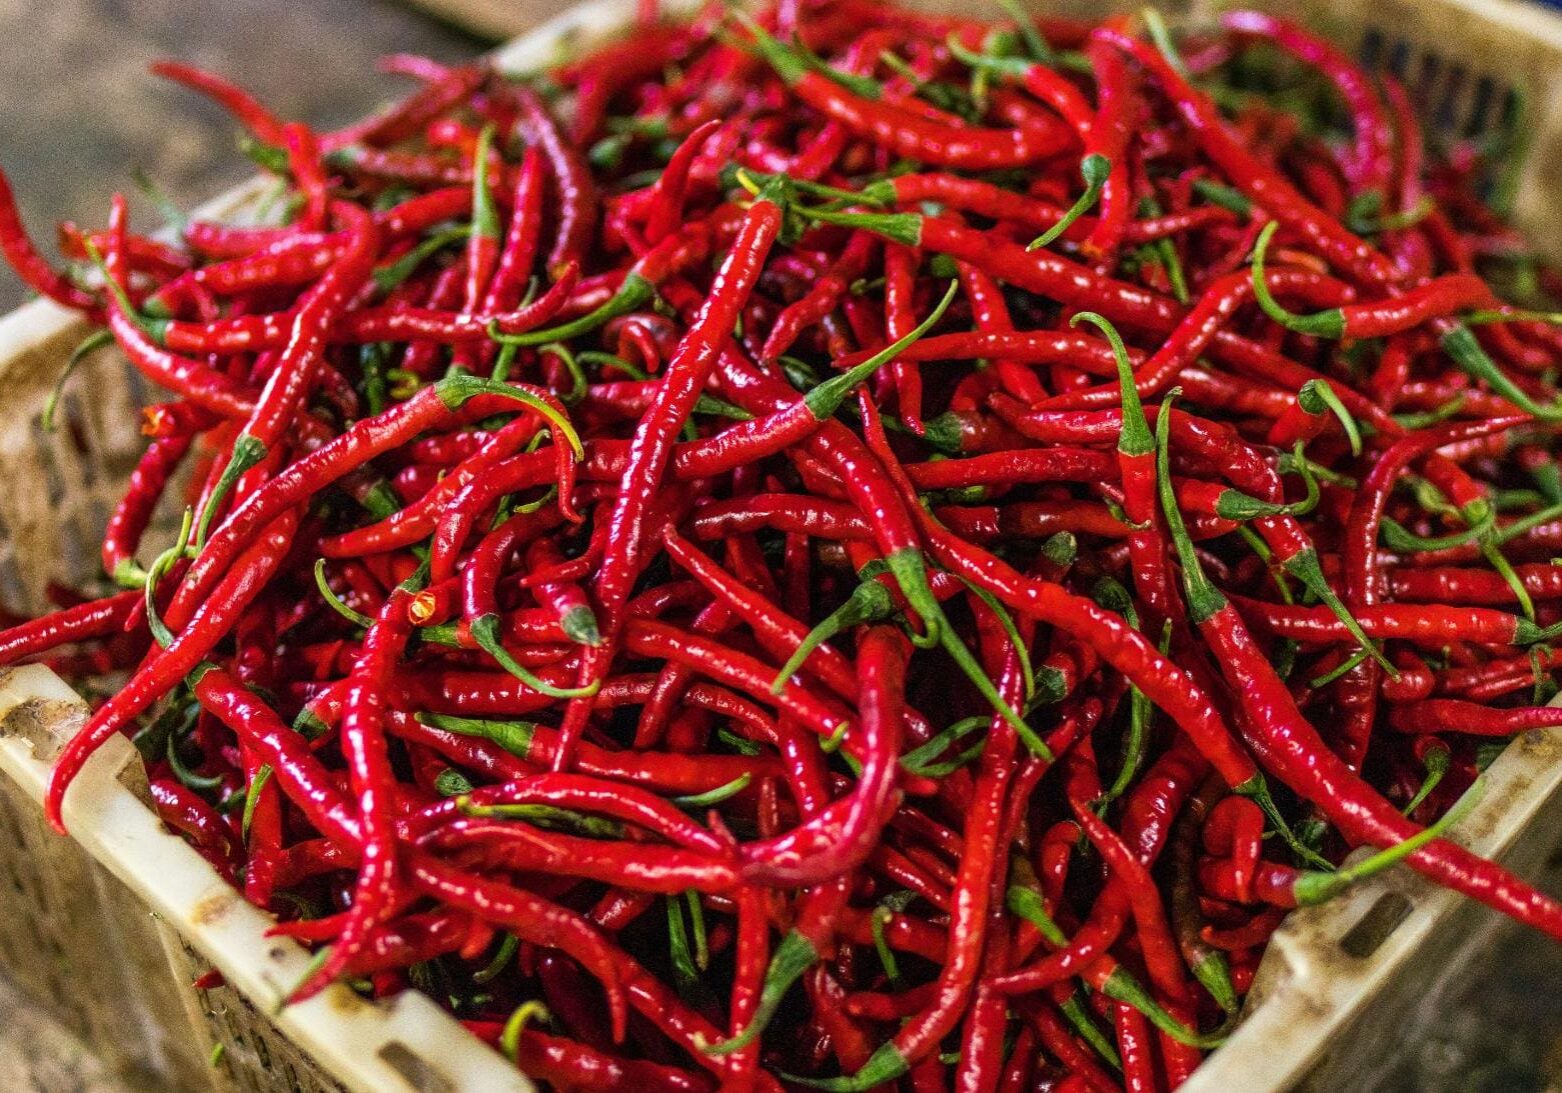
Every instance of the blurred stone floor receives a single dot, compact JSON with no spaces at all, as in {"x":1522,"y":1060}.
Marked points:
{"x":78,"y":111}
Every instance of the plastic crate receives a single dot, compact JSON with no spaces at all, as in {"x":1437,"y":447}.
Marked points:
{"x":108,"y":929}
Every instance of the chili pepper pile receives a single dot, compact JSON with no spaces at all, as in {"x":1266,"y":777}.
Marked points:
{"x":836,"y":547}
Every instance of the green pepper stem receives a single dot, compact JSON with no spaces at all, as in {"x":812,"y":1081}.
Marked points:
{"x":789,"y":64}
{"x":154,"y":328}
{"x":1204,"y":599}
{"x":869,"y":602}
{"x":1306,"y":568}
{"x":154,"y":574}
{"x":827,"y":397}
{"x":1094,"y":169}
{"x":87,"y":346}
{"x":1437,"y":761}
{"x":580,"y":626}
{"x":1122,"y":987}
{"x":1316,"y":396}
{"x":514,"y":737}
{"x":391,"y":274}
{"x":884,"y":1065}
{"x":920,"y":760}
{"x":715,"y":796}
{"x":1010,"y":630}
{"x":1460,"y":344}
{"x":458,"y":389}
{"x":335,"y":602}
{"x":1135,"y":437}
{"x":973,"y":671}
{"x":905,"y":228}
{"x":1028,"y":904}
{"x":1323,"y":324}
{"x":1213,"y":971}
{"x":1258,"y":790}
{"x":1313,"y":888}
{"x":510,"y":1035}
{"x":794,"y":956}
{"x":1160,"y":34}
{"x":633,"y":292}
{"x":1039,"y":47}
{"x":485,"y":632}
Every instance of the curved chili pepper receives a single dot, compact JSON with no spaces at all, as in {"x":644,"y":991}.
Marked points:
{"x":261,"y":122}
{"x":1433,"y":299}
{"x":685,"y":376}
{"x":841,"y":837}
{"x":1304,"y":761}
{"x":1264,"y":185}
{"x":83,"y":622}
{"x":1452,"y":715}
{"x":905,"y":131}
{"x":370,"y":778}
{"x":296,"y":368}
{"x":206,"y":627}
{"x":572,"y":183}
{"x":1369,"y":164}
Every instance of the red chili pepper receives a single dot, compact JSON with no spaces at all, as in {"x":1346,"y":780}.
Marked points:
{"x":685,"y":376}
{"x":521,"y":242}
{"x":573,"y":1065}
{"x":1433,"y":299}
{"x":261,"y":123}
{"x":367,"y":438}
{"x":667,"y":194}
{"x":135,"y":509}
{"x":504,"y":845}
{"x":822,"y":296}
{"x":83,"y":622}
{"x":693,"y":705}
{"x":905,"y":131}
{"x":296,"y":369}
{"x":1264,"y":185}
{"x":206,"y":627}
{"x":1452,"y":715}
{"x":572,"y":182}
{"x":371,"y":779}
{"x":403,"y":119}
{"x":183,"y":810}
{"x":841,"y":836}
{"x":1291,"y":744}
{"x":1369,"y":164}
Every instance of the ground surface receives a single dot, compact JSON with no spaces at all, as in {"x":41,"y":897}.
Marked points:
{"x":81,"y":111}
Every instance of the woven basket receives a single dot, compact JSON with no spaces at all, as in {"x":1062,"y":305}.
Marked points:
{"x":107,"y":930}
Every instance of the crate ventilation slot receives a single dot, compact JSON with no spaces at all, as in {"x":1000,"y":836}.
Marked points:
{"x":1376,"y":926}
{"x":1453,"y":102}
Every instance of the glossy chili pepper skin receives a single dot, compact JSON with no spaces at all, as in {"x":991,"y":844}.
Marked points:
{"x":649,"y":454}
{"x":206,"y":626}
{"x":93,"y":619}
{"x":1264,"y":185}
{"x":573,"y":186}
{"x":1298,"y":756}
{"x":909,"y":133}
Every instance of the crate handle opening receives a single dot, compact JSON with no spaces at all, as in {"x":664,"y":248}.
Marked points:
{"x":420,"y":1074}
{"x":1376,"y":926}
